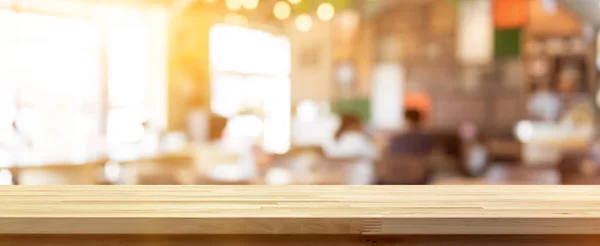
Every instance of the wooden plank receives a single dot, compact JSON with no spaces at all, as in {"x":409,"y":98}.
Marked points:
{"x":373,"y":210}
{"x":240,"y":240}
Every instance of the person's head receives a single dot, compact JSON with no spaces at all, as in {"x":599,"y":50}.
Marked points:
{"x":413,"y":118}
{"x":348,"y":122}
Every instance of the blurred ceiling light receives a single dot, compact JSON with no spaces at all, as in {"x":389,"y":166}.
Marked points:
{"x":304,"y":22}
{"x":210,"y":1}
{"x":282,"y":10}
{"x":294,"y":1}
{"x":326,"y":11}
{"x":235,"y":19}
{"x":234,"y":5}
{"x":250,"y":4}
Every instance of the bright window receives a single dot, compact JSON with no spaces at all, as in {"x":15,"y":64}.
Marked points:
{"x":49,"y":78}
{"x":53,"y":83}
{"x":8,"y":89}
{"x":128,"y":51}
{"x":250,"y":71}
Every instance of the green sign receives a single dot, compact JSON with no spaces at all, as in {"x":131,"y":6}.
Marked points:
{"x":507,"y":43}
{"x":359,"y":107}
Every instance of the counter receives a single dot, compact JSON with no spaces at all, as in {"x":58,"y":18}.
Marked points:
{"x":316,"y":215}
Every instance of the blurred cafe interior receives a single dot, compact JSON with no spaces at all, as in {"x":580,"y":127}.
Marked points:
{"x":323,"y":92}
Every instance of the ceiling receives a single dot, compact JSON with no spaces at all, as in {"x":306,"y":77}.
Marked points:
{"x":589,"y":10}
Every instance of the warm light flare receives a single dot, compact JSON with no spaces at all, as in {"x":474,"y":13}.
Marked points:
{"x":326,"y":11}
{"x":234,"y":5}
{"x":282,"y":10}
{"x":304,"y":22}
{"x":235,"y":19}
{"x":250,"y":4}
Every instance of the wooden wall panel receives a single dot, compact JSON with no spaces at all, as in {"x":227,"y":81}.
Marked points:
{"x":507,"y":112}
{"x":366,"y":57}
{"x":449,"y":112}
{"x":442,"y":19}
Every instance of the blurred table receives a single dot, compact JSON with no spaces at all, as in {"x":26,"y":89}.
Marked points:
{"x":85,"y":173}
{"x":516,"y":174}
{"x":509,"y":174}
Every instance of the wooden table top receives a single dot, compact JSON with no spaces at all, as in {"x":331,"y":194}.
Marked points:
{"x":372,"y":210}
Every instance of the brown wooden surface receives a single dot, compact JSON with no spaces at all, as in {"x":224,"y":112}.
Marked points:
{"x":356,"y":210}
{"x":316,"y":240}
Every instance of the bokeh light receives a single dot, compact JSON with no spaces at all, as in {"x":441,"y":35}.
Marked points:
{"x":326,"y":11}
{"x":250,"y":4}
{"x":304,"y":22}
{"x":282,"y":10}
{"x":234,"y":5}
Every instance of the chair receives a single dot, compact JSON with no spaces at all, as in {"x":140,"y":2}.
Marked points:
{"x":394,"y":169}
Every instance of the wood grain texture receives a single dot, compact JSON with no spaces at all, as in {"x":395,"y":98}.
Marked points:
{"x":308,"y":210}
{"x":313,"y":240}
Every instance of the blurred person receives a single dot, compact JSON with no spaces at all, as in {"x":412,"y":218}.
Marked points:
{"x":226,"y":157}
{"x":352,"y":143}
{"x":414,"y":140}
{"x":407,"y":159}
